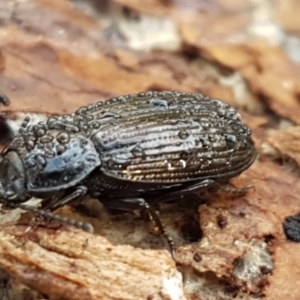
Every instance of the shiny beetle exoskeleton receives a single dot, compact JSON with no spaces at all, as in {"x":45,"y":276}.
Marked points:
{"x":125,"y":152}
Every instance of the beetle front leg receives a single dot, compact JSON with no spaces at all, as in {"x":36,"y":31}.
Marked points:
{"x":79,"y":193}
{"x":140,"y":203}
{"x":46,"y":212}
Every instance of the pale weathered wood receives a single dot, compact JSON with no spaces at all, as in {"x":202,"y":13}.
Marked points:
{"x":67,"y":263}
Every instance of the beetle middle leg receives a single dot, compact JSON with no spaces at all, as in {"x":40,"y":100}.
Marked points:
{"x":129,"y":204}
{"x":78,"y":194}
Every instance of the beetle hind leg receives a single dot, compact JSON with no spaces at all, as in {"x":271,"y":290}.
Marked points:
{"x":76,"y":195}
{"x":237,"y":191}
{"x":130,"y":204}
{"x":156,"y":220}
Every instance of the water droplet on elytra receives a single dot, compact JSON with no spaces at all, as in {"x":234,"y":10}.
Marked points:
{"x":63,"y":138}
{"x":30,"y":144}
{"x":221,"y":112}
{"x":137,"y":151}
{"x":40,"y":132}
{"x":46,"y":139}
{"x":183,"y":134}
{"x":159,"y":103}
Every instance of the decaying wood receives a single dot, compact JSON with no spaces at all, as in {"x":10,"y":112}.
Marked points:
{"x":285,"y":144}
{"x":72,"y":264}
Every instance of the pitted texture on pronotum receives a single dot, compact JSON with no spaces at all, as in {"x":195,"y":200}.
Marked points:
{"x":54,"y":159}
{"x":127,"y":151}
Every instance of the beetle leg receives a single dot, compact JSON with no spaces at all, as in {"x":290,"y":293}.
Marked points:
{"x":140,"y":203}
{"x":48,"y":215}
{"x":241,"y":191}
{"x":195,"y":188}
{"x":79,"y":193}
{"x":210,"y":184}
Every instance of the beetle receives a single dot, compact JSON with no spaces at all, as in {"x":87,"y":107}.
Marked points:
{"x":126,"y":151}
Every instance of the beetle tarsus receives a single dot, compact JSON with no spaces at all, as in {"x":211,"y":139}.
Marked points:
{"x":238,"y":191}
{"x":156,"y":220}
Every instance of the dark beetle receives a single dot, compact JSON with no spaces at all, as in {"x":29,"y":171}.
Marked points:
{"x":126,"y":151}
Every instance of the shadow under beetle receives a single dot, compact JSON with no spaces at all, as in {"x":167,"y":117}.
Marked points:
{"x":125,"y":152}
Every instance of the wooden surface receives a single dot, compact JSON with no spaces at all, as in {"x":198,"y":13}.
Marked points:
{"x":72,"y":264}
{"x":56,"y":56}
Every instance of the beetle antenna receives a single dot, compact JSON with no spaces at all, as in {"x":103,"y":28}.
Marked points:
{"x":48,"y":215}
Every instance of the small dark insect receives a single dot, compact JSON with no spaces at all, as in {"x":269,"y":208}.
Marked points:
{"x":221,"y":221}
{"x":126,"y":152}
{"x":197,"y":257}
{"x":4,"y":100}
{"x":291,"y":228}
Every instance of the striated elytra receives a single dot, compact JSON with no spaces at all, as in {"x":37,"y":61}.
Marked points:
{"x":125,"y":152}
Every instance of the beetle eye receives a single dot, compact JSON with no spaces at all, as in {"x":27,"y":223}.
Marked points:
{"x":12,"y":177}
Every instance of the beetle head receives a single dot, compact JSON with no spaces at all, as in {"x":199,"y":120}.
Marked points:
{"x":12,"y":178}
